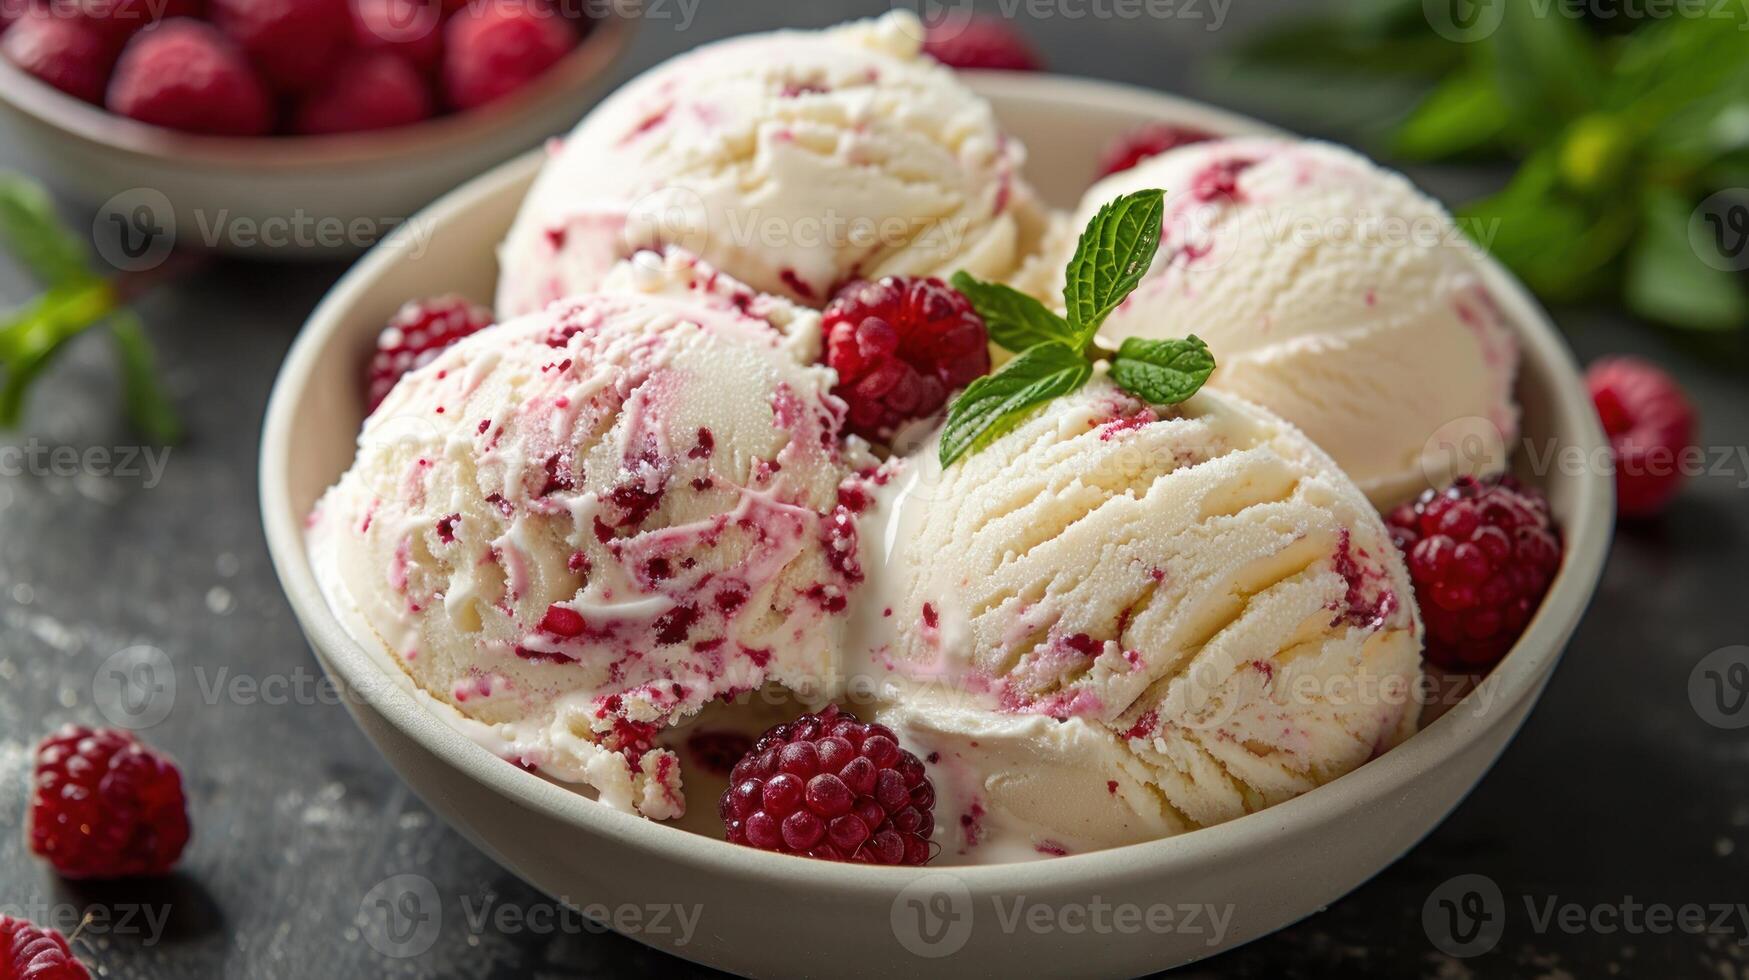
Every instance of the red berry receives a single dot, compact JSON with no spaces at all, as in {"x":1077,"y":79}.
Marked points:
{"x":414,"y":337}
{"x":1482,"y":556}
{"x":293,"y":43}
{"x":1651,"y":426}
{"x":366,"y":90}
{"x":28,"y":952}
{"x":494,"y":49}
{"x":185,"y":75}
{"x":900,"y":345}
{"x":412,"y":29}
{"x":981,"y":42}
{"x":71,"y":53}
{"x":122,"y":19}
{"x":831,"y":787}
{"x":105,"y":806}
{"x":1152,"y":140}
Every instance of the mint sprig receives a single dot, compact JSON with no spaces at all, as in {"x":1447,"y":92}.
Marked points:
{"x":1057,"y":354}
{"x":76,"y":298}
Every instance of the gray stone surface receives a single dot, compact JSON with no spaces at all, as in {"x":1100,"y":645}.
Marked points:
{"x":1617,"y":791}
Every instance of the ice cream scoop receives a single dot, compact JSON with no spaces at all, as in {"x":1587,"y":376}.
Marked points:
{"x":794,"y":161}
{"x":1335,"y":294}
{"x":577,"y":527}
{"x":1119,"y":622}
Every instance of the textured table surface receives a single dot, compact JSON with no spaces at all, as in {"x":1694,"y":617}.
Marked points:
{"x":1617,"y":792}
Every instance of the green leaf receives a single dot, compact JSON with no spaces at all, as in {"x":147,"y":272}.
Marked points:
{"x":1561,"y":247}
{"x":32,"y":231}
{"x":1164,"y":372}
{"x":996,"y":403}
{"x":1670,"y":280}
{"x":1016,"y":321}
{"x":148,"y":408}
{"x":1548,"y":66}
{"x":32,"y":335}
{"x":1110,"y":259}
{"x":1463,"y":115}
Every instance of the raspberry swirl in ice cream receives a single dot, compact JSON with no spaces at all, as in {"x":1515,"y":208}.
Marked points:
{"x":577,"y":527}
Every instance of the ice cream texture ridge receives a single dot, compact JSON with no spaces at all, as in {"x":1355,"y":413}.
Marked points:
{"x":634,"y":502}
{"x":794,"y":161}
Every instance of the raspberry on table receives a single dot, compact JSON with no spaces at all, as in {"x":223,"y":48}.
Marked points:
{"x":981,"y":42}
{"x":828,"y":786}
{"x":365,"y":90}
{"x":1152,"y":140}
{"x":1650,"y":425}
{"x":103,"y":805}
{"x":293,"y":42}
{"x":416,"y":334}
{"x":900,"y":345}
{"x":1481,"y":556}
{"x":71,"y":53}
{"x":29,"y":952}
{"x":186,"y":75}
{"x":494,"y":49}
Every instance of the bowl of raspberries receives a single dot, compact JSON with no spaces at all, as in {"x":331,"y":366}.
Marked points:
{"x":308,"y":126}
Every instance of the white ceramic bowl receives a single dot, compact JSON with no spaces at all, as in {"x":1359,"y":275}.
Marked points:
{"x":770,"y":914}
{"x":288,"y":197}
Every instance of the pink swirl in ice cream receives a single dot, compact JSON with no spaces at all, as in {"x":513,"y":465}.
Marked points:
{"x":580,"y":526}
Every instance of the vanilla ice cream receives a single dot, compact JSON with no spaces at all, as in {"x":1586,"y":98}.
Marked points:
{"x":577,"y":527}
{"x":1335,"y":294}
{"x":794,"y":161}
{"x":1118,"y":623}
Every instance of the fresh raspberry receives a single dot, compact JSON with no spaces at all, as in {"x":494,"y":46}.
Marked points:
{"x":412,"y":29}
{"x":900,"y":345}
{"x":366,"y":90}
{"x":185,"y":75}
{"x":493,"y":49}
{"x":1481,"y":555}
{"x":70,"y":53}
{"x":103,"y":805}
{"x":1650,"y":424}
{"x":28,"y":952}
{"x":828,"y":786}
{"x":292,"y":42}
{"x":982,"y":42}
{"x":1152,"y":140}
{"x":416,"y":334}
{"x":122,"y":19}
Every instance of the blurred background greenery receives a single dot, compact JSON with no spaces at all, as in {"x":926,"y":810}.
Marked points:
{"x":1628,"y":125}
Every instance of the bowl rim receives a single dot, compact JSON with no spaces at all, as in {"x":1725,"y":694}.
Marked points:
{"x":1519,"y":677}
{"x":46,"y":106}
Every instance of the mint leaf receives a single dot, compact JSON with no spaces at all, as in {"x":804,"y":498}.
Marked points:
{"x":1110,"y":259}
{"x":1668,"y":281}
{"x":147,"y":406}
{"x":33,"y":233}
{"x":996,"y":403}
{"x":1463,"y":115}
{"x":1550,"y":65}
{"x":1164,"y":372}
{"x":1016,"y":321}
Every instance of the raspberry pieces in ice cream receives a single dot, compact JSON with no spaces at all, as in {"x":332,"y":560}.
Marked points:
{"x":1335,"y":294}
{"x":1121,"y":622}
{"x":581,"y":526}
